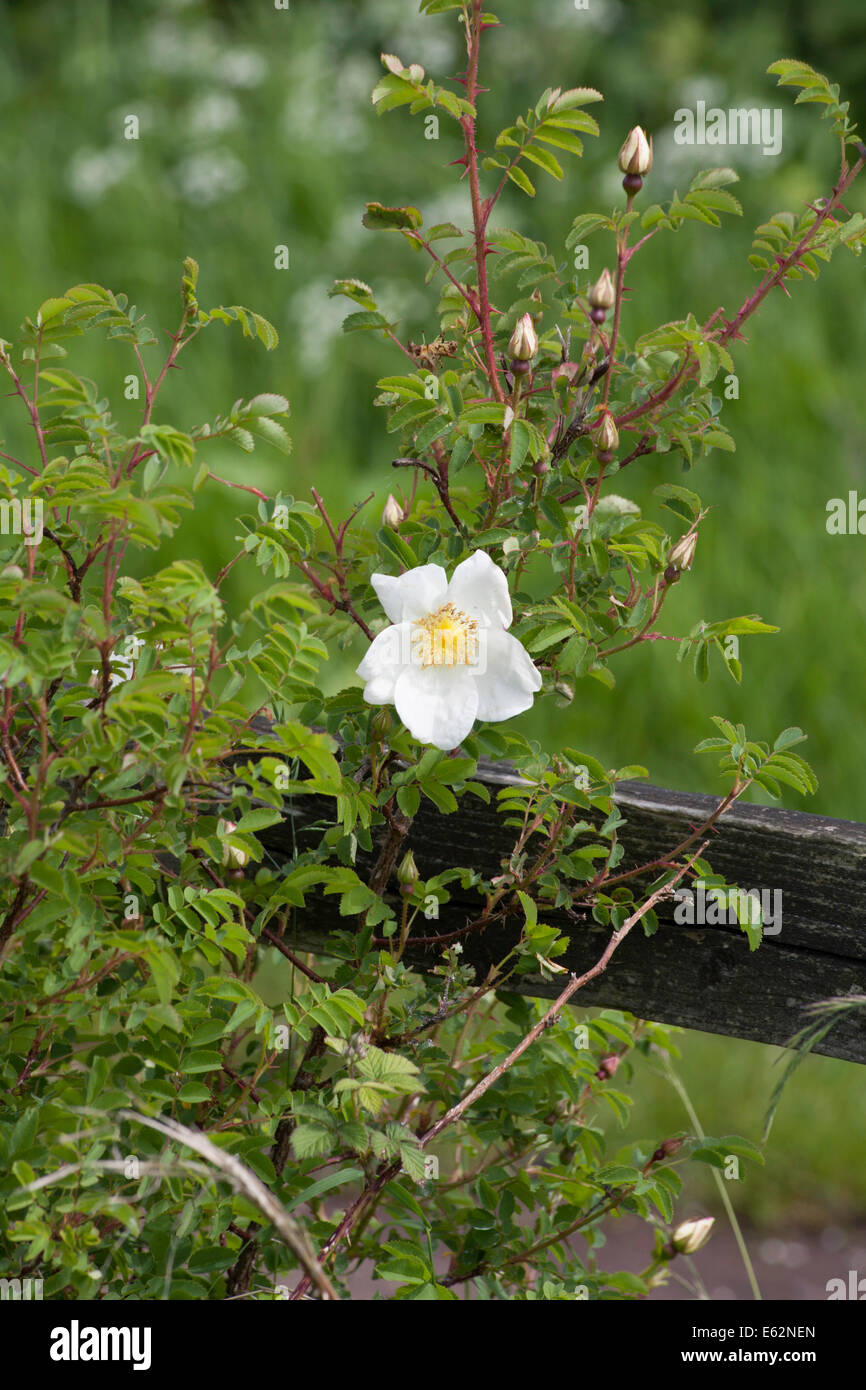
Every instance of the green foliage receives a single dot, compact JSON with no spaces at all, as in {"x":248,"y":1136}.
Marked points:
{"x":814,"y":87}
{"x":553,"y":121}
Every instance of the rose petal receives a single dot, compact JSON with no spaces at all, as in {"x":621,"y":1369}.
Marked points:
{"x":411,"y":595}
{"x":437,"y":704}
{"x":508,"y":680}
{"x":478,"y":587}
{"x":384,"y":660}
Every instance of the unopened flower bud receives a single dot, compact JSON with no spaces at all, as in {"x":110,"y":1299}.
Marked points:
{"x":602,"y":296}
{"x":407,"y":873}
{"x":636,"y":155}
{"x":606,"y":436}
{"x":523,"y":344}
{"x":683,"y":552}
{"x":381,"y":725}
{"x":666,"y":1148}
{"x":392,"y":512}
{"x":607,"y":1067}
{"x":691,"y":1235}
{"x":233,"y":858}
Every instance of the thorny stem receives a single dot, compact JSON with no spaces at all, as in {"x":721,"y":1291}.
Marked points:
{"x":30,"y":403}
{"x":338,"y":536}
{"x":575,"y":983}
{"x":480,"y":211}
{"x":389,"y":1171}
{"x":622,"y":258}
{"x":773,"y":279}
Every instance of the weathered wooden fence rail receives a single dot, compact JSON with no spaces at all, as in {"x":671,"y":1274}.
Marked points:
{"x":700,"y":977}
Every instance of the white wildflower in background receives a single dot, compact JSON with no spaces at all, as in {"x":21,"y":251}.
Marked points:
{"x":447,"y":659}
{"x":242,"y":67}
{"x":92,"y":173}
{"x":212,"y":113}
{"x":208,"y":176}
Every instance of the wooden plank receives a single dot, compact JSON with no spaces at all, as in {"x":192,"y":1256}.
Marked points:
{"x":701,"y":977}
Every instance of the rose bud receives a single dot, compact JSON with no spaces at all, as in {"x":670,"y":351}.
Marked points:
{"x":523,"y":344}
{"x":636,"y":155}
{"x":635,"y":160}
{"x":607,"y":1067}
{"x":691,"y":1235}
{"x":683,"y":552}
{"x":392,"y":512}
{"x":407,"y":873}
{"x":606,"y":437}
{"x":602,"y":296}
{"x":232,"y":857}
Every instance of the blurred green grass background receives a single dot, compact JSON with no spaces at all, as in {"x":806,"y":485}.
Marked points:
{"x":256,"y":130}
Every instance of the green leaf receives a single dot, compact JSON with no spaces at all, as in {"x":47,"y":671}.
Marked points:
{"x":356,"y":290}
{"x":736,"y":1144}
{"x":682,"y":494}
{"x":575,"y":96}
{"x":517,"y":176}
{"x":377,"y":216}
{"x":544,"y":159}
{"x":258,"y":820}
{"x":487,"y":414}
{"x":788,"y":737}
{"x":201,"y":1061}
{"x":364,"y":318}
{"x":530,"y":911}
{"x":393,"y":91}
{"x":560,"y":139}
{"x":584,"y":225}
{"x":268,"y":403}
{"x":52,"y":309}
{"x":193,"y":1092}
{"x":326,"y":1184}
{"x":713,"y":178}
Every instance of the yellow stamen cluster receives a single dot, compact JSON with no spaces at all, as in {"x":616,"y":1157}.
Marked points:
{"x":447,"y":637}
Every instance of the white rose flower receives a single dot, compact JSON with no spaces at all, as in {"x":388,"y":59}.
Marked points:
{"x":447,"y":659}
